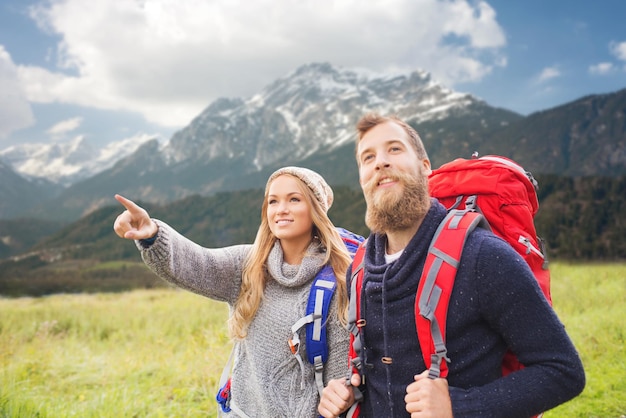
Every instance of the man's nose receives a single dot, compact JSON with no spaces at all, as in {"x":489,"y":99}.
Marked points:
{"x":382,"y":161}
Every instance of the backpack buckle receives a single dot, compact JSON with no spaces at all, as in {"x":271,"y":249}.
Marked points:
{"x":294,"y":346}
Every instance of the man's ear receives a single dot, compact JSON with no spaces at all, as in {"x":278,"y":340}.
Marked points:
{"x":426,"y":166}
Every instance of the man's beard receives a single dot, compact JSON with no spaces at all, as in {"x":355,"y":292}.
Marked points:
{"x":390,"y":210}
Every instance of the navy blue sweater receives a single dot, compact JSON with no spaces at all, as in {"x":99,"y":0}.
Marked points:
{"x":496,"y":303}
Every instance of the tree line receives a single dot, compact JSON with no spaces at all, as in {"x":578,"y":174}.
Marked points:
{"x":580,"y":219}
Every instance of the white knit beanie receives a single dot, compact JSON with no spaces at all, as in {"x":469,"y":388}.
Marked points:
{"x":322,"y":191}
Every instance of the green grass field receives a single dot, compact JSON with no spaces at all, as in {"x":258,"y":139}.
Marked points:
{"x":159,"y":353}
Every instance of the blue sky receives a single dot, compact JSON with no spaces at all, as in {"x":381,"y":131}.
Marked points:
{"x":113,"y":69}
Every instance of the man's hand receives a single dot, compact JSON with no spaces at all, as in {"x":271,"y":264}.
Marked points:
{"x":134,"y":222}
{"x":428,"y":398}
{"x":338,"y":396}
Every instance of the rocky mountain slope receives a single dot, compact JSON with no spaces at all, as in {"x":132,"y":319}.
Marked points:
{"x":308,"y":117}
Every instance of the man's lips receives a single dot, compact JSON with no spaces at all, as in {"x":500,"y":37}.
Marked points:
{"x":385,"y":180}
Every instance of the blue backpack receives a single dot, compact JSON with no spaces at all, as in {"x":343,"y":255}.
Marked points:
{"x":314,"y":321}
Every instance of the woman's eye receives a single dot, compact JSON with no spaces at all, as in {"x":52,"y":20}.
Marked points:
{"x":271,"y":201}
{"x":295,"y":199}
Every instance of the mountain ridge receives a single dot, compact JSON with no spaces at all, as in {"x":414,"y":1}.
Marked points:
{"x":308,"y":117}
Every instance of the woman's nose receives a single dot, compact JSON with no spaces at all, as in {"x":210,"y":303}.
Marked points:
{"x":283,"y":208}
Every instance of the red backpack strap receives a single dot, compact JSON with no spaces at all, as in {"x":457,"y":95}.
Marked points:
{"x":354,"y":326}
{"x":435,"y":287}
{"x":354,"y":310}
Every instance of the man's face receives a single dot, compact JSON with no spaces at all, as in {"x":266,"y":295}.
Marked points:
{"x":393,"y":178}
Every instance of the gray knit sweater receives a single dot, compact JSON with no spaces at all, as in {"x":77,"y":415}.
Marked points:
{"x":266,"y":379}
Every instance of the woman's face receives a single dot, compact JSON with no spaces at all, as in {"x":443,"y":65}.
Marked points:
{"x":288,"y":211}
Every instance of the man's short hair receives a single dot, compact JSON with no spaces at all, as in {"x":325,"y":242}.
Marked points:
{"x":370,"y":120}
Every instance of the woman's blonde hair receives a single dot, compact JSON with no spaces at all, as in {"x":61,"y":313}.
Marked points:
{"x":255,"y":271}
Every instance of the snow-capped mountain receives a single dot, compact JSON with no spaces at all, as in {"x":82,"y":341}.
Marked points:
{"x":311,"y":109}
{"x":306,"y":118}
{"x":314,"y":108}
{"x":67,"y":162}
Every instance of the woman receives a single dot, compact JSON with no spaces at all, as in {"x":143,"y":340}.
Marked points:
{"x":266,"y":285}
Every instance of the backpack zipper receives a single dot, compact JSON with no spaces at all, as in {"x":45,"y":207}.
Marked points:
{"x":529,"y":246}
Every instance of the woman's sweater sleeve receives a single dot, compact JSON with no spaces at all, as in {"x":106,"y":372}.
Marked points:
{"x":214,"y":273}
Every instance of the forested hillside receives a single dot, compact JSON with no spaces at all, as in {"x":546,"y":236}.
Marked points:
{"x":581,"y":219}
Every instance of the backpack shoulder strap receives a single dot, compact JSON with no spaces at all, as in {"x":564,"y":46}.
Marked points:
{"x":355,"y":364}
{"x":318,"y":305}
{"x":316,"y":314}
{"x":435,"y":287}
{"x":354,"y":309}
{"x":314,"y":321}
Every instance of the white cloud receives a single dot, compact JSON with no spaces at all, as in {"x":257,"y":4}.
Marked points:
{"x":548,"y":73}
{"x":65,"y":126}
{"x":15,"y":112}
{"x":618,"y":49}
{"x":167,"y":59}
{"x":601,"y":68}
{"x":478,"y":23}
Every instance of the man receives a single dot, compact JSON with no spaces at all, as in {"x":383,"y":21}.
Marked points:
{"x":496,"y":304}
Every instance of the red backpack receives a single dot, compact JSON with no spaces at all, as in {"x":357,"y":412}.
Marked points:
{"x":491,"y":191}
{"x":506,"y":195}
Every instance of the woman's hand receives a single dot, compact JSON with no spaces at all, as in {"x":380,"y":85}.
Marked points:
{"x":134,"y":223}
